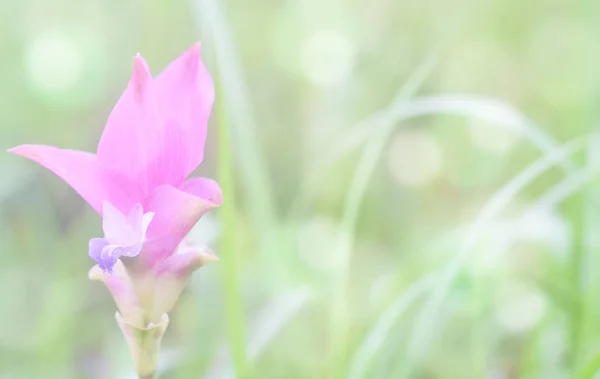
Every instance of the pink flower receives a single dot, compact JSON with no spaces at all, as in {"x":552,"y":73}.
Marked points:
{"x":153,"y":139}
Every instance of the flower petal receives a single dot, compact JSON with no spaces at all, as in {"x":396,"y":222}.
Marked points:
{"x":120,"y":285}
{"x":125,"y":230}
{"x":115,"y":225}
{"x":187,"y":260}
{"x":176,"y":211}
{"x":107,"y":255}
{"x":146,"y":220}
{"x":204,"y":188}
{"x":139,"y":142}
{"x":186,"y":94}
{"x":83,"y":172}
{"x":172,"y":274}
{"x":96,"y":246}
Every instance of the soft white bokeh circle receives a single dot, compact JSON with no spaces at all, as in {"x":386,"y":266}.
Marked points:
{"x":327,"y":58}
{"x":55,"y":62}
{"x":414,"y":158}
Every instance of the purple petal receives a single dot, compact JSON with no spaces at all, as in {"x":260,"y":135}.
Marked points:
{"x":107,"y":255}
{"x":95,"y":251}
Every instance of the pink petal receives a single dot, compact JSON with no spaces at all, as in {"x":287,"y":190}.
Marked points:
{"x":120,"y":285}
{"x":139,"y":142}
{"x":172,"y":274}
{"x":83,"y":173}
{"x":204,"y":188}
{"x":185,"y":261}
{"x":176,"y":211}
{"x":186,"y":94}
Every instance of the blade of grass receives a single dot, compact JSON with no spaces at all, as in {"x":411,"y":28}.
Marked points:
{"x":234,"y":311}
{"x":362,"y":359}
{"x":273,"y":318}
{"x":591,"y":368}
{"x":567,"y":187}
{"x":212,"y":22}
{"x":426,"y":326}
{"x":583,"y":315}
{"x":270,"y":321}
{"x":575,"y":212}
{"x":343,"y":250}
{"x":497,"y":113}
{"x":492,"y":111}
{"x":551,"y":199}
{"x":588,"y":276}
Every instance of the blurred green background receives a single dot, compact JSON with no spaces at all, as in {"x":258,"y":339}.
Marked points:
{"x":410,"y":188}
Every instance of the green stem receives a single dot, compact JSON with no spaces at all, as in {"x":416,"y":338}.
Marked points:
{"x":144,"y":344}
{"x":590,"y":288}
{"x":478,"y":343}
{"x":576,"y":213}
{"x":229,"y":268}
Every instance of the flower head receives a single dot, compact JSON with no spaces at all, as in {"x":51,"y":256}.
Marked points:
{"x":153,"y":139}
{"x":137,"y":181}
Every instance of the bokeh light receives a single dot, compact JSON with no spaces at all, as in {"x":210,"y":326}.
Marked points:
{"x":55,"y":62}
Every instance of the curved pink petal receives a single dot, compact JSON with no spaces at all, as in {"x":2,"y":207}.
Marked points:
{"x":139,"y":142}
{"x":176,"y":211}
{"x":185,"y":261}
{"x":121,"y":286}
{"x":83,"y":172}
{"x":204,"y":188}
{"x":172,"y":274}
{"x":186,"y":94}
